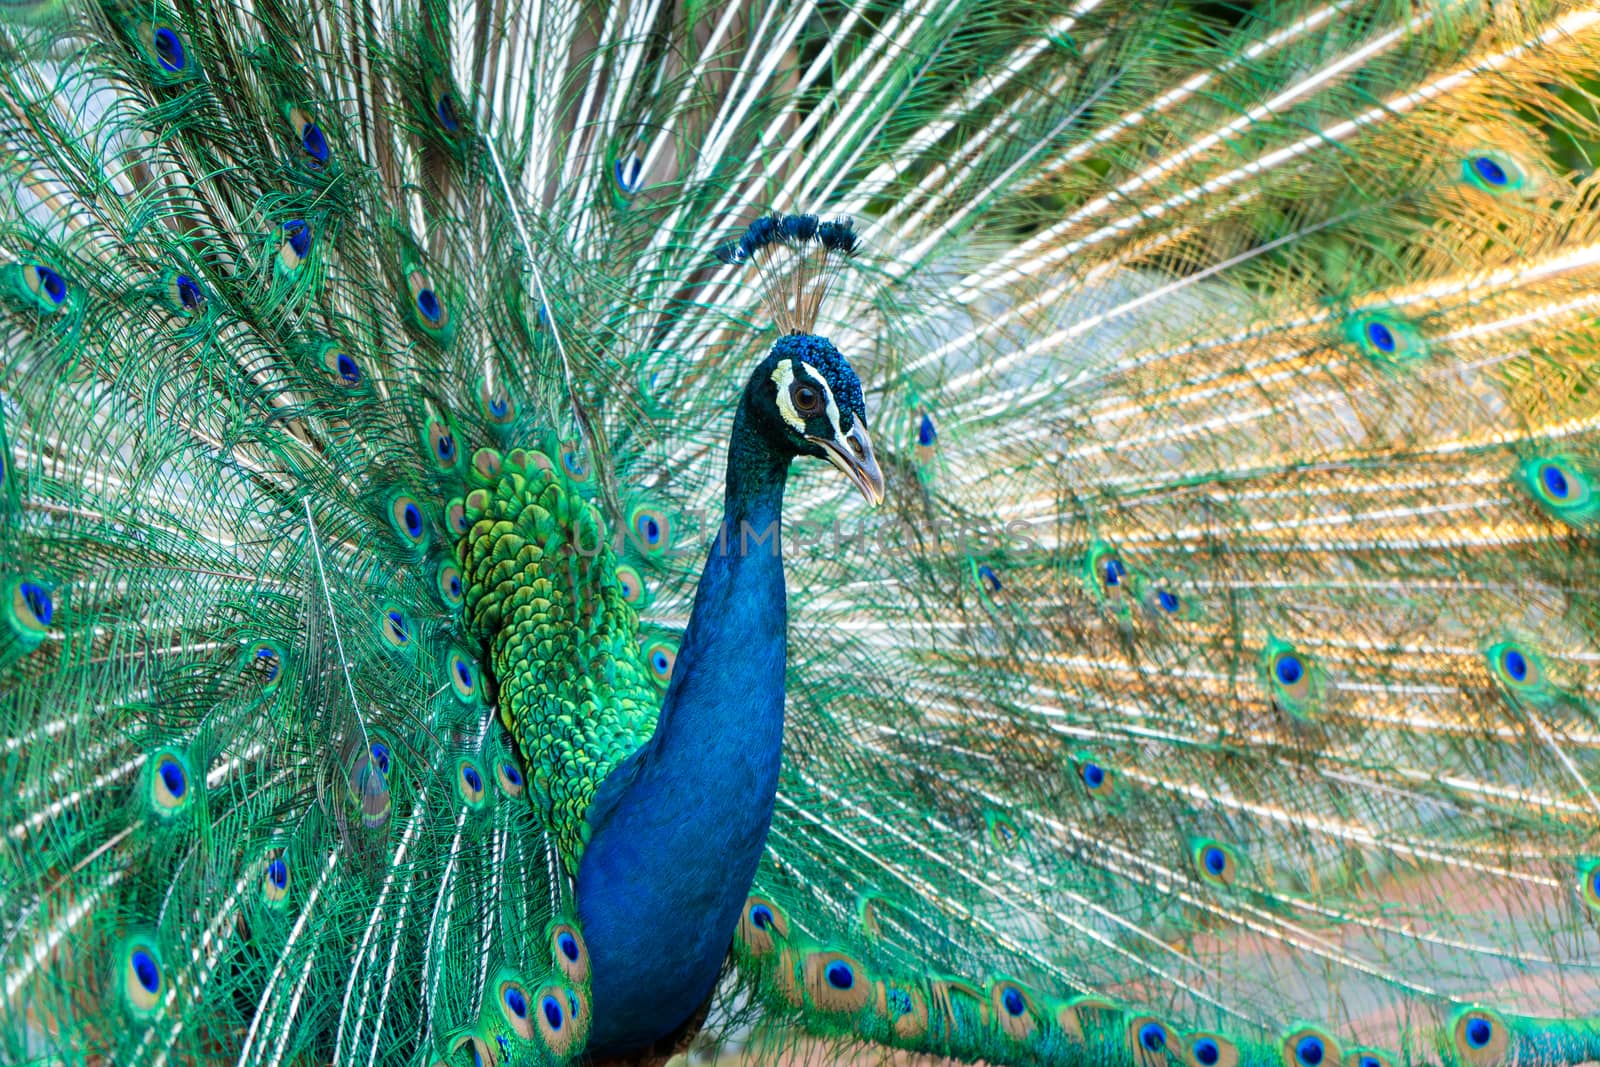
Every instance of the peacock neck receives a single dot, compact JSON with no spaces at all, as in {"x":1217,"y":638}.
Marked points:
{"x":678,"y":829}
{"x":739,"y":617}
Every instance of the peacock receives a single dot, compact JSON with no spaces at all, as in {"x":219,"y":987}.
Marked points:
{"x":1062,"y":533}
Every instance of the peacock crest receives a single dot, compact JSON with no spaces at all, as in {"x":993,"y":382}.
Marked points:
{"x":797,"y":258}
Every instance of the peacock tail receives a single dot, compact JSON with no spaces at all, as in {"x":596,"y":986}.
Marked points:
{"x":1217,"y":687}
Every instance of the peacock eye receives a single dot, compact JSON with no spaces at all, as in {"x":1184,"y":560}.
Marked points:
{"x":807,"y":400}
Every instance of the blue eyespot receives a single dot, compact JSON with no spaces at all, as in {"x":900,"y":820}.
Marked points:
{"x":1369,"y":1061}
{"x":990,"y":579}
{"x":498,"y":406}
{"x":446,"y":447}
{"x":628,"y":173}
{"x":463,"y":674}
{"x":38,"y":601}
{"x":413,"y":520}
{"x":271,"y":659}
{"x":1289,"y":670}
{"x":568,"y":945}
{"x":380,"y":756}
{"x":510,"y":779}
{"x":552,"y":1012}
{"x":1381,"y":336}
{"x":1214,"y":862}
{"x":1515,"y":664}
{"x":1153,"y":1036}
{"x":455,"y":585}
{"x":349,"y":370}
{"x":51,"y":283}
{"x":146,"y":970}
{"x":1478,"y":1032}
{"x":631,"y":585}
{"x":469,"y":774}
{"x":1114,"y":571}
{"x":299,"y":235}
{"x":900,"y":1002}
{"x":514,"y":1006}
{"x":1094,"y":776}
{"x":1014,"y":1004}
{"x":169,"y":50}
{"x":445,"y":110}
{"x":1490,"y":171}
{"x":1168,"y":602}
{"x":660,"y":656}
{"x":278,"y":872}
{"x":761,"y":917}
{"x":275,"y":888}
{"x":1309,"y":1051}
{"x":1555,"y":481}
{"x":650,"y":529}
{"x":428,"y":304}
{"x":840,"y":975}
{"x":926,"y":434}
{"x":189,"y":293}
{"x":1206,"y":1052}
{"x":314,"y":142}
{"x":173,"y":778}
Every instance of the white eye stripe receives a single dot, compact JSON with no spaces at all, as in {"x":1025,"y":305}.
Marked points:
{"x":833,"y":409}
{"x":783,"y":377}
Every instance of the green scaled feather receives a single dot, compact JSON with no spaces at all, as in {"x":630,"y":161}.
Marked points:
{"x":546,"y":594}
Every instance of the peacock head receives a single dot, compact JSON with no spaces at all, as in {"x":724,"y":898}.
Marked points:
{"x":807,"y":402}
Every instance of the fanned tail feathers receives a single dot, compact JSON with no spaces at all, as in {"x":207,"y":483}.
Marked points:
{"x":1218,"y":686}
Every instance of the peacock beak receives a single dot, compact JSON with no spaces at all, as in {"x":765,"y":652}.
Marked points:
{"x":852,"y":453}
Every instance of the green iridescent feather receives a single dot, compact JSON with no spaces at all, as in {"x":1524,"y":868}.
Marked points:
{"x":575,"y":690}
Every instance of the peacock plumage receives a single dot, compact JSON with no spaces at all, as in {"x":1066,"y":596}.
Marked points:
{"x":401,"y":664}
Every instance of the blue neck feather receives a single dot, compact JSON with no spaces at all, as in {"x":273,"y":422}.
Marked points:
{"x":679,"y":827}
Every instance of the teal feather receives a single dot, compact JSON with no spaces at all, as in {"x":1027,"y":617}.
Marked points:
{"x":1216,"y":684}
